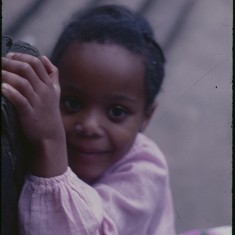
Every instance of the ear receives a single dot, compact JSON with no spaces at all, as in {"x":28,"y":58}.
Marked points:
{"x":147,"y":116}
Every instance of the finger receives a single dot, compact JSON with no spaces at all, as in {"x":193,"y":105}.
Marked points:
{"x":17,"y":99}
{"x":23,"y":70}
{"x":19,"y":84}
{"x":50,"y":68}
{"x":34,"y":62}
{"x":53,"y":73}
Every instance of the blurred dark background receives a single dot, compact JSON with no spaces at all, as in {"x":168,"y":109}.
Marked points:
{"x":192,"y":124}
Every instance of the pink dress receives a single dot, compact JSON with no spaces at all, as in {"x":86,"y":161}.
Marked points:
{"x":133,"y":197}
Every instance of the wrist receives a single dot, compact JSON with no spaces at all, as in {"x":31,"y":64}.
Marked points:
{"x":50,"y":157}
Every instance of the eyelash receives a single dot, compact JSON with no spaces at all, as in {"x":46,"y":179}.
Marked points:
{"x":121,"y":113}
{"x":115,"y":113}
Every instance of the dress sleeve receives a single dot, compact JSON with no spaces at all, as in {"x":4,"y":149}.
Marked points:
{"x":133,"y":197}
{"x":61,"y":205}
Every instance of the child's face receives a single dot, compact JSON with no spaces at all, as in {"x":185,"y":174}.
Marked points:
{"x":102,"y":105}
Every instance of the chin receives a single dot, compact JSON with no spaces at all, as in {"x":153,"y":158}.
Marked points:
{"x":87,"y":178}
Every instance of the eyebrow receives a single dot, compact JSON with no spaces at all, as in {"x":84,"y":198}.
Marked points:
{"x":121,"y":97}
{"x":113,"y":96}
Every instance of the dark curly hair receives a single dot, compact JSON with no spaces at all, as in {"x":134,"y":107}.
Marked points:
{"x":117,"y":24}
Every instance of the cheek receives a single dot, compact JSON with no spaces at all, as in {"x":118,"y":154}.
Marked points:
{"x":126,"y":135}
{"x":123,"y":139}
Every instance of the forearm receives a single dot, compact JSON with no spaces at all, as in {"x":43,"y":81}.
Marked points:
{"x":50,"y":157}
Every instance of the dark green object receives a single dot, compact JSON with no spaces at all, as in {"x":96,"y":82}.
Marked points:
{"x":15,"y":150}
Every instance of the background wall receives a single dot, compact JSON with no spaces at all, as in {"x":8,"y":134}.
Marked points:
{"x":192,"y":124}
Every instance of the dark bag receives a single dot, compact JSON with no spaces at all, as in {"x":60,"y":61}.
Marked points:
{"x":15,"y":150}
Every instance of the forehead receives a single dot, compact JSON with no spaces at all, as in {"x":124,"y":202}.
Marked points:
{"x":109,"y":65}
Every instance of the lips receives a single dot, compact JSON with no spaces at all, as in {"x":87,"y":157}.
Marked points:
{"x":88,"y":151}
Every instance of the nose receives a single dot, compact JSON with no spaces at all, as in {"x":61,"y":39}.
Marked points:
{"x":89,"y":125}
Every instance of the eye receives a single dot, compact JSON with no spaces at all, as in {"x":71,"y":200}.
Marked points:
{"x":117,"y":112}
{"x":71,"y":104}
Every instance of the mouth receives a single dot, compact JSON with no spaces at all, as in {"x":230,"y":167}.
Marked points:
{"x":88,"y":152}
{"x":92,"y":152}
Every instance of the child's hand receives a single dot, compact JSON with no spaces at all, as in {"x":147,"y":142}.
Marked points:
{"x":31,"y":84}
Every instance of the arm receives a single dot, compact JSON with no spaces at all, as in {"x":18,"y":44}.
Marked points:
{"x":133,"y":197}
{"x":31,"y":84}
{"x":61,"y":205}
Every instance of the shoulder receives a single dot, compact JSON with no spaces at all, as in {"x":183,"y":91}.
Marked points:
{"x":146,"y":147}
{"x":145,"y":152}
{"x":144,"y":160}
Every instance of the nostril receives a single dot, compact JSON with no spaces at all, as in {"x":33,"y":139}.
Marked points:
{"x":85,"y":130}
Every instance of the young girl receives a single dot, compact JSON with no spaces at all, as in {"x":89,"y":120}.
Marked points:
{"x":93,"y":171}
